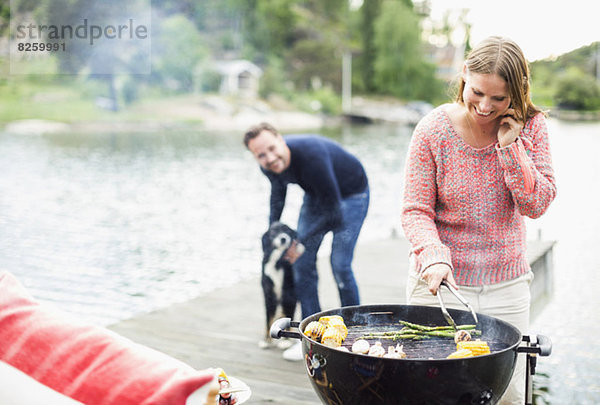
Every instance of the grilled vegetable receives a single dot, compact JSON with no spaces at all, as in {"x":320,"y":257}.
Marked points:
{"x":332,"y":337}
{"x":329,"y":330}
{"x":361,"y":346}
{"x":314,"y":330}
{"x":462,"y":336}
{"x":339,"y":325}
{"x":377,"y":350}
{"x":477,"y":347}
{"x":395,"y":352}
{"x":415,"y":331}
{"x":425,"y":328}
{"x":326,"y":319}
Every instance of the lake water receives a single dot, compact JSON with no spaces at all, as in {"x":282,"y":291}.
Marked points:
{"x":106,"y":226}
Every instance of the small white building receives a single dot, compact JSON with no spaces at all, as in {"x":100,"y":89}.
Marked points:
{"x":238,"y":78}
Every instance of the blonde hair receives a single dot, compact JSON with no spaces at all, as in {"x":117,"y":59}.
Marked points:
{"x":502,"y":56}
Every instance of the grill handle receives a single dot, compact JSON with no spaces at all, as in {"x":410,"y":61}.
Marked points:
{"x":533,"y":345}
{"x":278,"y":329}
{"x":538,"y":344}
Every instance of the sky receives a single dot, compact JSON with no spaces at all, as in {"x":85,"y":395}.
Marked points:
{"x":540,"y":27}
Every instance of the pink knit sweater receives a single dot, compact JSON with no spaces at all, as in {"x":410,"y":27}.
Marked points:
{"x":465,"y":206}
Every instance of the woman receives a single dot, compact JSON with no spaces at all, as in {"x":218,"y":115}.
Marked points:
{"x":475,"y":168}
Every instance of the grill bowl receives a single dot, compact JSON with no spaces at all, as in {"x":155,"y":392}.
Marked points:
{"x":347,"y":378}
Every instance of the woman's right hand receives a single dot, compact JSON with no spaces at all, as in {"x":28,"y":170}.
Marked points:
{"x":434,"y":274}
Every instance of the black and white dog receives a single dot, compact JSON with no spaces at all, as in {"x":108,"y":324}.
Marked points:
{"x":278,"y":277}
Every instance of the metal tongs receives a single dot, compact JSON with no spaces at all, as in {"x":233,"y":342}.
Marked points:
{"x":460,"y":298}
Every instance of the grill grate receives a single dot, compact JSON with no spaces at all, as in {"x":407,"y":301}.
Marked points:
{"x":433,"y":348}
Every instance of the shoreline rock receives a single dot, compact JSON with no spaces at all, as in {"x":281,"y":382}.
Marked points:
{"x":36,"y":127}
{"x":572,"y":115}
{"x":212,"y":113}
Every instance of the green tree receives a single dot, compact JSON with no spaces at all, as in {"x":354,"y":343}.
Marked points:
{"x":568,"y":80}
{"x":369,"y":12}
{"x":576,"y":90}
{"x":400,"y":66}
{"x":306,"y":38}
{"x":314,"y":57}
{"x":16,"y":7}
{"x":4,"y":16}
{"x":177,"y":50}
{"x":274,"y":78}
{"x":81,"y":53}
{"x":269,"y":26}
{"x":314,"y":61}
{"x":70,"y":12}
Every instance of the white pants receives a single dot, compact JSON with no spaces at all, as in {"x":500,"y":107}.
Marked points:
{"x":508,"y":301}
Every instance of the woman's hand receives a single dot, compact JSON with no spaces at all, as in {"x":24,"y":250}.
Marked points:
{"x":509,"y":129}
{"x":434,"y":274}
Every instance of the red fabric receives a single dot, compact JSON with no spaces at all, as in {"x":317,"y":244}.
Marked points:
{"x":90,"y":364}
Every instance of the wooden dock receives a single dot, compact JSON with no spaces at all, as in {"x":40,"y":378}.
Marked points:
{"x":222,"y":329}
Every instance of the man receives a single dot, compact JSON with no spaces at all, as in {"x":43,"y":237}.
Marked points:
{"x":336,"y":199}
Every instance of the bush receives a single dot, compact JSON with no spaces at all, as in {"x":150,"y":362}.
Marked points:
{"x":330,"y":103}
{"x":325,"y":100}
{"x":210,"y":81}
{"x":576,"y":90}
{"x":273,"y":80}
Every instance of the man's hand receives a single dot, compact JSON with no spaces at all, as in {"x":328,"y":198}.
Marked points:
{"x":434,"y":274}
{"x":294,"y":251}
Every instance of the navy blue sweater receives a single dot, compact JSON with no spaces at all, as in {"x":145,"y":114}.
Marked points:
{"x":325,"y":171}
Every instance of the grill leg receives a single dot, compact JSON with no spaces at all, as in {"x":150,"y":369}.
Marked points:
{"x":534,"y":345}
{"x":529,"y":372}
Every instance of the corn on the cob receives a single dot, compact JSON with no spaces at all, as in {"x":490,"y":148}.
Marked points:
{"x":460,"y":354}
{"x":338,"y":323}
{"x":477,"y":347}
{"x":326,"y":319}
{"x":314,"y":330}
{"x":332,"y":337}
{"x":221,"y":375}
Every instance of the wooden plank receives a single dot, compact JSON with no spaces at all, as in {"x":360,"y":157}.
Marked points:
{"x":540,"y":257}
{"x":222,"y":329}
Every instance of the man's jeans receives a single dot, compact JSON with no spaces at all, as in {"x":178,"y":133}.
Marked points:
{"x":354,"y":210}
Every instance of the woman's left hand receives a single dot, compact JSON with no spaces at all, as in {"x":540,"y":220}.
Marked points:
{"x":509,"y":129}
